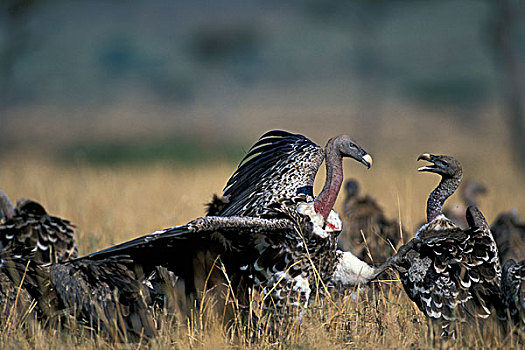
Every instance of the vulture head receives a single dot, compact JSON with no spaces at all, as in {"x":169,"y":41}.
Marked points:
{"x":336,"y":149}
{"x":446,"y":166}
{"x":345,"y":146}
{"x":351,"y":188}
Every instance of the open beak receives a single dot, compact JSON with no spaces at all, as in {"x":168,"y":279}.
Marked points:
{"x":367,"y":160}
{"x":428,"y":157}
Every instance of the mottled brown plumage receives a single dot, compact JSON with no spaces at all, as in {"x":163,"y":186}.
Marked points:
{"x":363,"y":216}
{"x":30,"y":228}
{"x":452,"y":274}
{"x":513,"y":290}
{"x":101,"y":294}
{"x":28,"y":232}
{"x":271,"y":235}
{"x":509,"y":232}
{"x":13,"y":302}
{"x":96,"y":293}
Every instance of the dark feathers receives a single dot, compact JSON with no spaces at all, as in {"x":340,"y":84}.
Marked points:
{"x":363,"y":214}
{"x":98,"y":293}
{"x":249,"y":250}
{"x":280,"y":167}
{"x":267,"y":236}
{"x":217,"y":205}
{"x":31,"y":228}
{"x":513,"y":290}
{"x":509,"y":231}
{"x":27,"y":232}
{"x":450,"y":273}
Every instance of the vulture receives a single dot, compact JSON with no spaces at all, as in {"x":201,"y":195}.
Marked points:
{"x":452,"y":274}
{"x":267,"y":234}
{"x":363,"y":216}
{"x":40,"y":251}
{"x":100,"y":294}
{"x":28,"y":227}
{"x":27,"y":231}
{"x":509,"y":231}
{"x":513,"y":290}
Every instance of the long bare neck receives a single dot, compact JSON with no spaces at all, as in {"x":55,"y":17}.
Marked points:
{"x":6,"y":207}
{"x":325,"y":201}
{"x":437,"y":198}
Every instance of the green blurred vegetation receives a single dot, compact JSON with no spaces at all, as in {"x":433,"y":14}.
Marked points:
{"x":94,"y":69}
{"x":459,"y":92}
{"x":178,"y":150}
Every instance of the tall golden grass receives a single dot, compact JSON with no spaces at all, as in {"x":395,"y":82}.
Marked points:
{"x":113,"y":204}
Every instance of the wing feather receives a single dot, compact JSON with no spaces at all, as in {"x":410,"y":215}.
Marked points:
{"x":175,"y":247}
{"x":31,"y":227}
{"x":452,"y":273}
{"x":279,"y":165}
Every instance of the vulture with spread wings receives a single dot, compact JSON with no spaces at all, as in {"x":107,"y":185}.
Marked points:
{"x":268,"y":233}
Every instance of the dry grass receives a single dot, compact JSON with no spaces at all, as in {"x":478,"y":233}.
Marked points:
{"x":113,"y":204}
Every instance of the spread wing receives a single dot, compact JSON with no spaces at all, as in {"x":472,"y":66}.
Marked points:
{"x":280,"y":167}
{"x":31,"y":228}
{"x":238,"y":241}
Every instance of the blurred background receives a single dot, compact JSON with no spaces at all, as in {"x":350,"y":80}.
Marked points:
{"x":92,"y":78}
{"x":185,"y":82}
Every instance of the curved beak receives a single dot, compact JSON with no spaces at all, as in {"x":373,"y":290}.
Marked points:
{"x":367,"y":160}
{"x":427,"y":157}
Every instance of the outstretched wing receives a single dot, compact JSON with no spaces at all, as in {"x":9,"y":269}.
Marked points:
{"x":280,"y":167}
{"x":192,"y":250}
{"x":32,"y":228}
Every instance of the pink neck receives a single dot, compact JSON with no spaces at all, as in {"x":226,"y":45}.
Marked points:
{"x":325,"y":201}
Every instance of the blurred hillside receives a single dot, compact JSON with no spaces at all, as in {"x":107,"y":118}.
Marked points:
{"x":87,"y":77}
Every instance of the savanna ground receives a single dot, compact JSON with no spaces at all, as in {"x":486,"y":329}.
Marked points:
{"x":115,"y":202}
